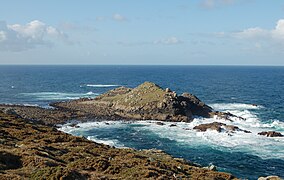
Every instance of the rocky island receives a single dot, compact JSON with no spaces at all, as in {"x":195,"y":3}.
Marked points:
{"x":145,"y":102}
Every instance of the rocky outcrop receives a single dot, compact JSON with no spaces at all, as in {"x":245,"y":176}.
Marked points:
{"x":219,"y":127}
{"x":147,"y":101}
{"x":271,"y":134}
{"x":29,"y":150}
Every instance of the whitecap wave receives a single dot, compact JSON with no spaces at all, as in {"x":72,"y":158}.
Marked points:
{"x":239,"y":141}
{"x":234,"y":106}
{"x":60,"y":95}
{"x":110,"y":142}
{"x":102,"y":85}
{"x":183,"y":133}
{"x":25,"y":104}
{"x":80,"y":128}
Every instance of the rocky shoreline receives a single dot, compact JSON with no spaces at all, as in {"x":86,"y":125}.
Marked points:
{"x":32,"y":148}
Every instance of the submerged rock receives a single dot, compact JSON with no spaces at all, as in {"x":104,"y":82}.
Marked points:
{"x":271,"y":134}
{"x":219,"y":127}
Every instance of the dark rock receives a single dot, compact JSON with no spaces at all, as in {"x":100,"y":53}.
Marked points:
{"x":213,"y":126}
{"x":9,"y":161}
{"x":74,"y":125}
{"x":271,"y":134}
{"x":219,"y":127}
{"x":160,"y":123}
{"x":172,"y":125}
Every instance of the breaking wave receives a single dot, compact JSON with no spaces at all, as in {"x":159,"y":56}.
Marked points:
{"x":59,"y":95}
{"x":102,"y":85}
{"x":183,"y":133}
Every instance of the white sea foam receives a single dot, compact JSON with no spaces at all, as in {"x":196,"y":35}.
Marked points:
{"x":102,"y":85}
{"x":264,"y":147}
{"x":59,"y":95}
{"x":109,"y":142}
{"x":81,"y":128}
{"x":183,"y":133}
{"x":25,"y":104}
{"x":234,"y":106}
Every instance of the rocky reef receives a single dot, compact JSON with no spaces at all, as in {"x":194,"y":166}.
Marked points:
{"x":147,"y":101}
{"x":219,"y":127}
{"x":31,"y":150}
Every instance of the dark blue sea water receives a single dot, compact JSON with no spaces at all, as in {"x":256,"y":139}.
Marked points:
{"x":226,"y":88}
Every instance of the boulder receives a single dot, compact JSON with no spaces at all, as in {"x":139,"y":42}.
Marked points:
{"x":271,"y":134}
{"x":160,"y":123}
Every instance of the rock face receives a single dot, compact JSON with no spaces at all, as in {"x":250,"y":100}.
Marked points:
{"x":271,"y":134}
{"x":219,"y":127}
{"x":147,"y":101}
{"x":30,"y":150}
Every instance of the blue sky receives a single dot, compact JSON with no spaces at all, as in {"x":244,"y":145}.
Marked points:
{"x":183,"y":32}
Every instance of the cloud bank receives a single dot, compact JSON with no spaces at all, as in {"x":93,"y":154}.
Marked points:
{"x":17,"y":37}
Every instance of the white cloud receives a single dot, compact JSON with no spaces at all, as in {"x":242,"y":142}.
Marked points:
{"x":17,"y":37}
{"x":119,"y":17}
{"x":169,"y":41}
{"x":276,"y":34}
{"x":209,"y":4}
{"x":255,"y":32}
{"x":2,"y":36}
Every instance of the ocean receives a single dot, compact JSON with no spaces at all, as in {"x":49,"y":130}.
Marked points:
{"x":235,"y":89}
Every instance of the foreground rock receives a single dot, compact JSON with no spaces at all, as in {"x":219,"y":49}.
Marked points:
{"x":271,"y":134}
{"x":41,"y":115}
{"x":219,"y":127}
{"x":147,"y":101}
{"x":29,"y":150}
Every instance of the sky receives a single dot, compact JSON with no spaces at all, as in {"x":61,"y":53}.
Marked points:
{"x":145,"y":32}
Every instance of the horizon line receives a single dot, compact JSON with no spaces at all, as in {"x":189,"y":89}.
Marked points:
{"x":260,"y":65}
